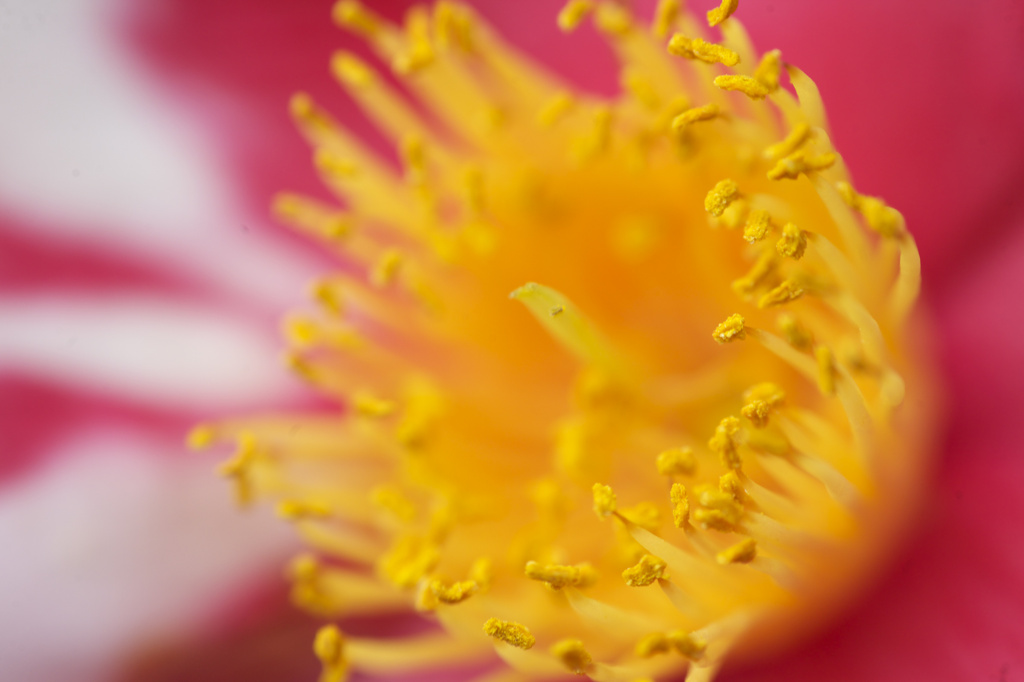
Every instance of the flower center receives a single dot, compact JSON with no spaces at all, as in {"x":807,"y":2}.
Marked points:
{"x":581,"y":479}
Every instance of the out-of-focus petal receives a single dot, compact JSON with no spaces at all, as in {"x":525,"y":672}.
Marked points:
{"x":144,"y":348}
{"x":93,"y":152}
{"x":93,"y":547}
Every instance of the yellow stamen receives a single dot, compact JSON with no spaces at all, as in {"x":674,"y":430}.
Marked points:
{"x":557,"y":577}
{"x":742,"y":552}
{"x":732,"y":329}
{"x":826,"y":370}
{"x":604,"y":501}
{"x":510,"y":633}
{"x":647,"y":570}
{"x":573,"y":14}
{"x":690,"y":116}
{"x":751,"y":87}
{"x":799,"y":163}
{"x":711,"y":53}
{"x":793,"y":242}
{"x":455,"y":593}
{"x":760,"y":401}
{"x":665,"y":17}
{"x":677,"y":462}
{"x":769,"y":70}
{"x":722,"y":12}
{"x":329,"y":647}
{"x":723,"y":443}
{"x":573,"y":656}
{"x":720,"y":196}
{"x":758,"y":224}
{"x":680,"y":505}
{"x":796,"y":138}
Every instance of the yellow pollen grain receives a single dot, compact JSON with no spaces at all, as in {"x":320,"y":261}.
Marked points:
{"x":688,"y":645}
{"x":649,"y":569}
{"x":604,"y":501}
{"x":676,"y":462}
{"x":665,"y":17}
{"x":723,"y":443}
{"x":557,"y":576}
{"x":799,"y":163}
{"x":696,"y":48}
{"x":510,"y":632}
{"x":732,"y":329}
{"x":455,"y":593}
{"x":783,"y":293}
{"x":826,"y":370}
{"x":680,"y":505}
{"x":743,"y":552}
{"x":796,"y":138}
{"x":691,"y":116}
{"x":720,"y":196}
{"x":613,"y":19}
{"x":329,"y":647}
{"x":722,"y":12}
{"x":749,"y":86}
{"x":757,"y":227}
{"x":769,"y":69}
{"x":573,"y":14}
{"x":793,"y":242}
{"x":573,"y":656}
{"x":730,"y":484}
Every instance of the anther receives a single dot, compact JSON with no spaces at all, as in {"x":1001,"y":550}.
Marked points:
{"x":720,"y":196}
{"x":573,"y":14}
{"x":793,"y":332}
{"x":297,"y":510}
{"x":760,"y":400}
{"x":329,"y":647}
{"x":676,"y":462}
{"x":880,"y":217}
{"x":732,"y":329}
{"x":386,"y":268}
{"x":509,"y":632}
{"x":391,"y":499}
{"x":351,"y":70}
{"x":688,"y":645}
{"x":557,"y":576}
{"x":722,"y":12}
{"x":743,"y":552}
{"x":769,"y":69}
{"x":751,"y":87}
{"x":793,"y":242}
{"x":783,"y":293}
{"x":665,"y":17}
{"x":758,"y":224}
{"x":653,"y":644}
{"x":799,"y":163}
{"x":826,"y":370}
{"x":573,"y":656}
{"x":604,"y":501}
{"x":796,"y":138}
{"x":646,"y":571}
{"x":455,"y":593}
{"x":370,"y":406}
{"x":555,"y":108}
{"x":710,"y":53}
{"x":690,"y":116}
{"x":352,"y":15}
{"x":680,"y":505}
{"x":724,"y":445}
{"x":201,"y":437}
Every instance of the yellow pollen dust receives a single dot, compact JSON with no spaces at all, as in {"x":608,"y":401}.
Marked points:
{"x":537,"y":449}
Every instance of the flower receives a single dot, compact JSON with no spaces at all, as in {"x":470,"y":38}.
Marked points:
{"x":957,"y":582}
{"x":475,"y":435}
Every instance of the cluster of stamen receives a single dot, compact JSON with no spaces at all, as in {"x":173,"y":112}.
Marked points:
{"x":527,"y":472}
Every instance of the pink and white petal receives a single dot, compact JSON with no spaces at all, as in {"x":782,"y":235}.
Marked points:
{"x":111,"y":547}
{"x":147,"y":349}
{"x":95,"y":152}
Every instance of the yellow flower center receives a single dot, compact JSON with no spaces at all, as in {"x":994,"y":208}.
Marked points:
{"x":684,"y":434}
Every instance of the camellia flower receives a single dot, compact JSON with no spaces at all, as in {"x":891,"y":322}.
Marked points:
{"x":695,"y":429}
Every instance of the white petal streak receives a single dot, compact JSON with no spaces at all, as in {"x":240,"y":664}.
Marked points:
{"x":113,"y":546}
{"x":92,"y":149}
{"x":144,"y":348}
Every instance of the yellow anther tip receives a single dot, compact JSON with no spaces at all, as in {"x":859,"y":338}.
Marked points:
{"x":742,"y":552}
{"x":676,"y":462}
{"x":732,"y":329}
{"x":510,"y":633}
{"x":200,"y":437}
{"x":329,"y":646}
{"x":605,"y":502}
{"x":573,"y":14}
{"x":749,"y":86}
{"x":722,"y":12}
{"x":720,"y":196}
{"x":680,"y":505}
{"x":573,"y":656}
{"x":647,"y":571}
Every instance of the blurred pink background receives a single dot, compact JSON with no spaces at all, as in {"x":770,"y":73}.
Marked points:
{"x":141,"y":280}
